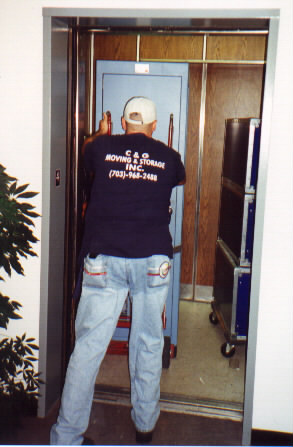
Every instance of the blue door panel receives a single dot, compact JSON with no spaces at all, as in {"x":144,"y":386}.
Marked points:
{"x":117,"y":89}
{"x":167,"y":85}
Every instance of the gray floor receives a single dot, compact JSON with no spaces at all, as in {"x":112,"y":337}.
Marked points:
{"x":199,"y":372}
{"x":201,"y":399}
{"x":112,"y":425}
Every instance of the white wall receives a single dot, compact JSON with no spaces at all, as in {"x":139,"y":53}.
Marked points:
{"x":21,"y":135}
{"x":21,"y":75}
{"x":273,"y":397}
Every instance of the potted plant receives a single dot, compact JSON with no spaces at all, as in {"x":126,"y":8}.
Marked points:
{"x":19,"y":382}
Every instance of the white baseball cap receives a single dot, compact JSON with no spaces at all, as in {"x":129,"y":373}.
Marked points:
{"x":140,"y":110}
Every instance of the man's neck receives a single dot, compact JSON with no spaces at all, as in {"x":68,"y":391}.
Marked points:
{"x":139,"y":132}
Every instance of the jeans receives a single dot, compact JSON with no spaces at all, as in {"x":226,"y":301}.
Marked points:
{"x":106,"y":282}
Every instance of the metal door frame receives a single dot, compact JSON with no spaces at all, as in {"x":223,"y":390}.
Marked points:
{"x":182,"y":17}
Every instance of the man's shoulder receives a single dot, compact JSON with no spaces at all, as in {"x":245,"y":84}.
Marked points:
{"x":103,"y":141}
{"x":169,"y":151}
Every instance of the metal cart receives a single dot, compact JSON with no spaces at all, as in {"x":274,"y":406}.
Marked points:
{"x":234,"y":245}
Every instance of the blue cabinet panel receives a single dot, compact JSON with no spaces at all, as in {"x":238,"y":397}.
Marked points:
{"x":167,"y":85}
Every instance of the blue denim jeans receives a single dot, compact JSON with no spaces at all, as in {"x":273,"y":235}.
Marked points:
{"x":106,"y":282}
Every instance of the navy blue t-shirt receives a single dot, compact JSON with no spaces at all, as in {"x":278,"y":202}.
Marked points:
{"x":128,"y":211}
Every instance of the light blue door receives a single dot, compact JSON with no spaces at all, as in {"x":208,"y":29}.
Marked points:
{"x":167,"y":85}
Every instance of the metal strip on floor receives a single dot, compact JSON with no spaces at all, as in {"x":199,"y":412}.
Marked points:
{"x":174,"y":403}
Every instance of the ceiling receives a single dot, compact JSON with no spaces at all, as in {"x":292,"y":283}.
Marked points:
{"x":176,"y":25}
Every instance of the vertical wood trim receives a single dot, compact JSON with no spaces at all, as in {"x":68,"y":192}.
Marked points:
{"x":138,"y":48}
{"x":91,"y":82}
{"x":200,"y":157}
{"x":191,"y":162}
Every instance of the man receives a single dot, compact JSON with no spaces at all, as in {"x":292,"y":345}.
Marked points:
{"x":126,"y":248}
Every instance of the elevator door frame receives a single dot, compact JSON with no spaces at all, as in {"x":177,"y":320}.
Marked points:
{"x":184,"y":16}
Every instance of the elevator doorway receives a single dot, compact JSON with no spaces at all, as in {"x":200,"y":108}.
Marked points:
{"x":217,"y":90}
{"x":56,"y":69}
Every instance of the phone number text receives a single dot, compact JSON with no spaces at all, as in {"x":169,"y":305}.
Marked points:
{"x":133,"y":175}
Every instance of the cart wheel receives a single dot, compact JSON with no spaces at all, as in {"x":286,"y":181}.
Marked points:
{"x":173,"y":351}
{"x":166,"y":352}
{"x":228,"y":350}
{"x":213,"y":318}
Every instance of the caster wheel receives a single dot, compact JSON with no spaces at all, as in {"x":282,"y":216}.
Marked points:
{"x":213,"y":318}
{"x":227,"y":350}
{"x":173,"y":351}
{"x":166,"y":353}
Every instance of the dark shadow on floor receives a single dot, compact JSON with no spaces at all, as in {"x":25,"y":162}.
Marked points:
{"x":110,"y":424}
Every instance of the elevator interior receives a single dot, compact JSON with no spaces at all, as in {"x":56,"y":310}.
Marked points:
{"x":218,"y":60}
{"x":226,"y":71}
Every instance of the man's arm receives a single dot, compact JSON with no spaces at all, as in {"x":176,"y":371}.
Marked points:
{"x":181,"y":173}
{"x":182,"y":182}
{"x":102,"y":130}
{"x":88,"y":176}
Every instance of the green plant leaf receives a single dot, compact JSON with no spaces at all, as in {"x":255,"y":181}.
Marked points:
{"x":6,"y":265}
{"x":33,"y":346}
{"x":15,"y":317}
{"x":12,"y":188}
{"x":24,"y":206}
{"x":28,"y":350}
{"x":7,"y":310}
{"x":15,"y":264}
{"x":31,"y":214}
{"x":21,"y":188}
{"x":27,"y":195}
{"x":16,"y":304}
{"x":16,"y":218}
{"x":26,"y":220}
{"x":27,"y":364}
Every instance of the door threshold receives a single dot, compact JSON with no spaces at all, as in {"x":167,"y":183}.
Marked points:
{"x":175,"y":403}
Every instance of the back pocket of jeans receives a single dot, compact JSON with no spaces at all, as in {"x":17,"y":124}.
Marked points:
{"x":159,"y":275}
{"x":95,"y":272}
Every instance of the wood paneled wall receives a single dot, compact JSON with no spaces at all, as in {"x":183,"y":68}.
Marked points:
{"x":171,"y":47}
{"x":234,"y":47}
{"x":232,"y":91}
{"x":115,"y":47}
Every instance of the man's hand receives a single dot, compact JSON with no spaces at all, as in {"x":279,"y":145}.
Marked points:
{"x":103,"y":126}
{"x":102,"y":130}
